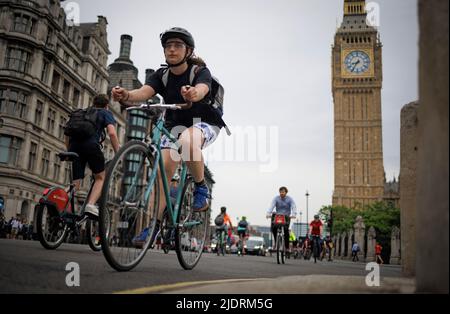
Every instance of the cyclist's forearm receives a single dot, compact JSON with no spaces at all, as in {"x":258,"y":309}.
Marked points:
{"x":202,"y":90}
{"x":114,"y":142}
{"x":142,"y":94}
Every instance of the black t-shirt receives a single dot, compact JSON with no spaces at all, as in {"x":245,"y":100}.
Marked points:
{"x":172,"y":95}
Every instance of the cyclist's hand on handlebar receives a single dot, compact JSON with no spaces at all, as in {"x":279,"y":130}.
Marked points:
{"x":189,"y":93}
{"x":118,"y":93}
{"x":293,"y":217}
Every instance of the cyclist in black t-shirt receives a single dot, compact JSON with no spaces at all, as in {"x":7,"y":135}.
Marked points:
{"x":90,"y":153}
{"x":196,"y":127}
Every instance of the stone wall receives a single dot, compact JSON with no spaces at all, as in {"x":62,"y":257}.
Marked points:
{"x":358,"y":234}
{"x":408,"y":179}
{"x":432,"y":205}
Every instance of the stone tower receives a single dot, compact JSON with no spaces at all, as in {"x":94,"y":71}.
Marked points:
{"x":357,"y":82}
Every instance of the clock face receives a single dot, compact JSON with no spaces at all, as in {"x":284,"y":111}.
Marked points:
{"x":357,"y":62}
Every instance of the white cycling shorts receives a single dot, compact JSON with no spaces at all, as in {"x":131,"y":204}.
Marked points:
{"x":209,"y":132}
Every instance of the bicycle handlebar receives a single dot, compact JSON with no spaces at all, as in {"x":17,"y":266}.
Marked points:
{"x":163,"y":106}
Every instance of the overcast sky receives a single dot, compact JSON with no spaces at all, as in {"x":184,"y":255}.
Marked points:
{"x":274,"y":59}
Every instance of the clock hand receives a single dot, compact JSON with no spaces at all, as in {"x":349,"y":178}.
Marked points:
{"x":355,"y":64}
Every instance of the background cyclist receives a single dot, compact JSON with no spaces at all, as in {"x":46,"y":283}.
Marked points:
{"x":242,"y":232}
{"x":90,"y":152}
{"x":315,"y":230}
{"x":223,"y":224}
{"x":292,"y":242}
{"x":282,"y":205}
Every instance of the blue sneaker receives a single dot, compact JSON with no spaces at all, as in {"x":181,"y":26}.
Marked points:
{"x":201,"y":198}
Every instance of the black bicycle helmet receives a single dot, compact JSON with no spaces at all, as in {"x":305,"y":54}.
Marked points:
{"x":223,"y":209}
{"x":178,"y":32}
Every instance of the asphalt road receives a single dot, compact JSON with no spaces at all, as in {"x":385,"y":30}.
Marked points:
{"x":26,"y":267}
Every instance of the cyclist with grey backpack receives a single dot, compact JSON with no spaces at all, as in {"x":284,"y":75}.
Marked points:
{"x":84,"y":132}
{"x":185,"y":79}
{"x":223,"y":224}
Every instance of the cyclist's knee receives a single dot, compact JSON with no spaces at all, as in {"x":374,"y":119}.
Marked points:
{"x":100,"y":176}
{"x":191,"y":139}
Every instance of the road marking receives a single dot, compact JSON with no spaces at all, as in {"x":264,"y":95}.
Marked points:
{"x":161,"y":288}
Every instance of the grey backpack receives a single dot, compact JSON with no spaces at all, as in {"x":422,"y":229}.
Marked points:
{"x":217,"y":93}
{"x":220,"y":220}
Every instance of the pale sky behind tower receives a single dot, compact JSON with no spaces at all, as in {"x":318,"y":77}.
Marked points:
{"x":274,"y":59}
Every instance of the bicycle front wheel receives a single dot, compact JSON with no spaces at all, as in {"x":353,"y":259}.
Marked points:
{"x":192,"y":229}
{"x":315,"y":251}
{"x":127,"y":215}
{"x":93,"y":235}
{"x":279,"y":248}
{"x":283,"y":249}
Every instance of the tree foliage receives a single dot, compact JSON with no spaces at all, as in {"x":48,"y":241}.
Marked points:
{"x":382,"y":216}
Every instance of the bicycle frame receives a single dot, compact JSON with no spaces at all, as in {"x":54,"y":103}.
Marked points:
{"x":173,"y":211}
{"x":68,"y":212}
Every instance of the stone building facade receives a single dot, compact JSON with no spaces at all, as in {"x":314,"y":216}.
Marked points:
{"x":391,"y":194}
{"x":357,"y":83}
{"x":47,"y":69}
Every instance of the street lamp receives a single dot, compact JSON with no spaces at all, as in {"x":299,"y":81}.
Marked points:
{"x":307,"y":218}
{"x":300,"y":223}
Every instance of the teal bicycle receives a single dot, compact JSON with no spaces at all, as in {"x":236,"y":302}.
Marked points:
{"x":130,"y":201}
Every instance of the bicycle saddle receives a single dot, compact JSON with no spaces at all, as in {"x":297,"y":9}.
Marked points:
{"x":68,"y":156}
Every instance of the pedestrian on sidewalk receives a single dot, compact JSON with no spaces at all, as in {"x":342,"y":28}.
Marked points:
{"x":355,"y":250}
{"x":15,"y":225}
{"x":378,"y":249}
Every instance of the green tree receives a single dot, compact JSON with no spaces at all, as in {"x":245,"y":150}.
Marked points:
{"x":382,"y":216}
{"x":343,"y":217}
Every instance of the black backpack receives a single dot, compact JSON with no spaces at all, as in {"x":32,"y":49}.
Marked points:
{"x":82,"y":124}
{"x":216,"y":96}
{"x":219,"y":221}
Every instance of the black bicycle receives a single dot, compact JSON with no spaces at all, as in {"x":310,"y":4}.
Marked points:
{"x":221,"y":239}
{"x":279,"y":222}
{"x":316,"y":247}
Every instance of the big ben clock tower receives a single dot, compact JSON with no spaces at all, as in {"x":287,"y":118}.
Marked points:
{"x":357,"y":82}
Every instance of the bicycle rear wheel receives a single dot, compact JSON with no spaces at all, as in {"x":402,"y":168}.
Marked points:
{"x":127,"y":215}
{"x":192,"y":229}
{"x":51,"y":229}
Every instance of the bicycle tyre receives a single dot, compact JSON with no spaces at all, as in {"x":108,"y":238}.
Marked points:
{"x":278,"y":248}
{"x":128,"y":212}
{"x":315,"y":250}
{"x":189,"y":255}
{"x":44,"y":210}
{"x":283,"y":249}
{"x":94,"y":244}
